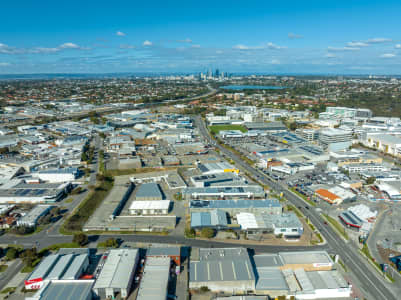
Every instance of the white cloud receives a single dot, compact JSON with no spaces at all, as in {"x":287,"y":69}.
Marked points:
{"x":219,"y":52}
{"x":69,"y":46}
{"x":241,"y":47}
{"x":339,"y":49}
{"x":357,"y":44}
{"x":147,"y":43}
{"x":275,"y":62}
{"x":388,"y":55}
{"x":330,"y":55}
{"x":378,"y":40}
{"x":275,"y":47}
{"x":120,"y":33}
{"x":4,"y":64}
{"x":196,"y":46}
{"x":295,"y":36}
{"x":398,"y":46}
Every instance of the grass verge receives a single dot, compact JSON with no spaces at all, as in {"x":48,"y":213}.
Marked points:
{"x":337,"y":226}
{"x":10,"y":290}
{"x":87,"y":207}
{"x":366,"y":252}
{"x":3,"y":268}
{"x":310,"y":202}
{"x":215,"y":129}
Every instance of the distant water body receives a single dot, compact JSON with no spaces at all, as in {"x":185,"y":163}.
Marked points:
{"x":253,"y":87}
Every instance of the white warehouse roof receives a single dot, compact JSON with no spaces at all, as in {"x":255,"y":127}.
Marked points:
{"x":152,"y":204}
{"x":117,"y":269}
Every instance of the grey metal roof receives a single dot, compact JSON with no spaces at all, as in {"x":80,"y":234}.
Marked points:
{"x":222,"y":270}
{"x":155,"y":278}
{"x":117,"y":269}
{"x":149,"y":190}
{"x":158,"y":251}
{"x":75,"y":266}
{"x":60,"y":171}
{"x":306,"y":257}
{"x":267,"y":260}
{"x":228,"y":264}
{"x":235,"y":203}
{"x":73,"y":290}
{"x":213,"y":218}
{"x":60,"y":267}
{"x":270,"y":279}
{"x":44,"y":267}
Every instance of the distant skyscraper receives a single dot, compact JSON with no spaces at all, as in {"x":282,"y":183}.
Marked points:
{"x":217,"y":73}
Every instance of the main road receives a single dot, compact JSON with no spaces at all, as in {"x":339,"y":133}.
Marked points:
{"x":370,"y":281}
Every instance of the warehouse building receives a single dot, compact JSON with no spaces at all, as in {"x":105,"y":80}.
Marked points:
{"x":117,"y":273}
{"x":302,"y":274}
{"x":237,"y":192}
{"x":287,"y":224}
{"x":222,"y":270}
{"x":174,"y":253}
{"x":233,"y":207}
{"x":216,"y":219}
{"x":149,"y":191}
{"x":216,"y":168}
{"x":154,"y":207}
{"x":222,"y":179}
{"x":64,"y":289}
{"x":32,"y":217}
{"x":20,"y":192}
{"x":58,"y":175}
{"x":68,"y":264}
{"x":155,"y":278}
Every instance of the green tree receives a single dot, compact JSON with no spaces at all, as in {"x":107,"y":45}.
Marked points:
{"x":80,"y":238}
{"x":371,"y":180}
{"x":12,"y":253}
{"x":293,"y":126}
{"x":111,"y":243}
{"x":207,"y":233}
{"x":190,"y":232}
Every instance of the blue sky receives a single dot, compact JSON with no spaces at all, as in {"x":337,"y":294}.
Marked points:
{"x":86,"y":36}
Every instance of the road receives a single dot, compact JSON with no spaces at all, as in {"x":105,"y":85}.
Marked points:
{"x":9,"y":274}
{"x":370,"y":280}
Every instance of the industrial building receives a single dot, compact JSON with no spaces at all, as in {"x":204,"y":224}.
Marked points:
{"x":222,"y":270}
{"x":149,"y":191}
{"x":69,"y":264}
{"x":216,"y":168}
{"x":304,"y":275}
{"x":268,"y":206}
{"x":286,"y":224}
{"x":237,"y":192}
{"x":153,"y":207}
{"x":20,"y":192}
{"x":117,"y":273}
{"x":32,"y":217}
{"x":386,"y":143}
{"x":220,"y":179}
{"x":174,"y":253}
{"x":64,"y":289}
{"x":216,"y":219}
{"x":155,"y":278}
{"x":58,"y":175}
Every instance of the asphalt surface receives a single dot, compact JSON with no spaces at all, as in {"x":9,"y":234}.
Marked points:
{"x":9,"y":274}
{"x":370,"y":280}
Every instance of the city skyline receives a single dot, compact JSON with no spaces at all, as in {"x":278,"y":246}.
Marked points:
{"x":254,"y":37}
